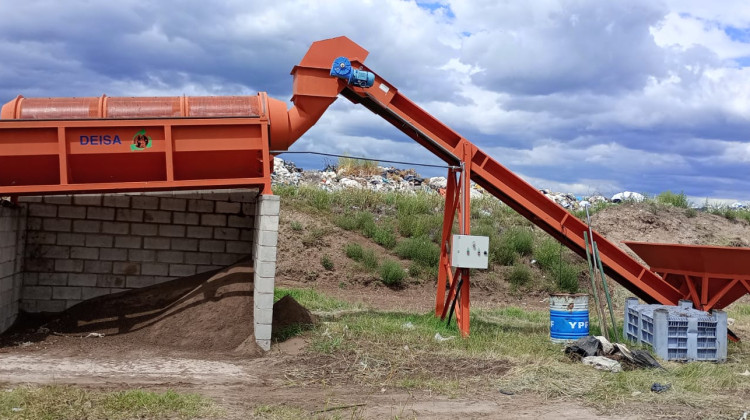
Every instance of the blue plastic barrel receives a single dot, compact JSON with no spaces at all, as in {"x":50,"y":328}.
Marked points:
{"x":568,"y":316}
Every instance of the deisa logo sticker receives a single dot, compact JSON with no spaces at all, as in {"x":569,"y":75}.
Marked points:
{"x":141,"y":141}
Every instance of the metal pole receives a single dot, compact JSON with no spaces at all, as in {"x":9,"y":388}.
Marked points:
{"x":594,"y":291}
{"x":606,"y":290}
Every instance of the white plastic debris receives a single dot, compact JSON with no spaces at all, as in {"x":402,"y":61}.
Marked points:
{"x":730,"y":322}
{"x":603,"y":363}
{"x":408,"y":326}
{"x":439,"y":338}
{"x":628,"y":196}
{"x":745,"y":373}
{"x":95,"y":335}
{"x":607,"y":347}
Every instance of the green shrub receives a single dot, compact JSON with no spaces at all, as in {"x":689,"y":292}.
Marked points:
{"x":391,"y":273}
{"x":547,"y":254}
{"x":354,"y":251}
{"x":415,"y":270}
{"x":519,"y":275}
{"x":369,"y":260}
{"x":414,"y":225}
{"x":326,"y":262}
{"x":676,"y":200}
{"x":409,"y":205}
{"x":314,"y":237}
{"x":366,"y":223}
{"x":502,"y":254}
{"x":346,"y":221}
{"x":566,"y":277}
{"x":384,"y":236}
{"x":295,"y":225}
{"x":420,"y":250}
{"x":519,"y":240}
{"x":357,"y":167}
{"x":691,"y":212}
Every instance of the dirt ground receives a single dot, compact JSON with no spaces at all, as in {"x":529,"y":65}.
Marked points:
{"x":193,"y":336}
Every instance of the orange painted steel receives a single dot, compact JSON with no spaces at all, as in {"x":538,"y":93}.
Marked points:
{"x":107,"y":144}
{"x":46,"y":147}
{"x":711,"y":276}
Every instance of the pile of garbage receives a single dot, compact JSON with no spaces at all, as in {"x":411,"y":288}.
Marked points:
{"x":598,"y":352}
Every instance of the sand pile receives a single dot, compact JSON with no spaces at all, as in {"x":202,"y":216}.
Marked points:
{"x":205,"y":313}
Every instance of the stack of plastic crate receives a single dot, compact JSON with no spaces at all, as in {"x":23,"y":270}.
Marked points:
{"x":677,"y":332}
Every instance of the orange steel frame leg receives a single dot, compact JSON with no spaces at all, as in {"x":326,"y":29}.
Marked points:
{"x":457,"y":202}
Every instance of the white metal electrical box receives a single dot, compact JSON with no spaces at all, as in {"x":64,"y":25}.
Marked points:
{"x":470,"y":251}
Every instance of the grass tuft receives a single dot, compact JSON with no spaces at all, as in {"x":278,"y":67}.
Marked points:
{"x":326,"y":262}
{"x":672,"y":199}
{"x":391,"y":273}
{"x":420,"y":250}
{"x":354,"y":251}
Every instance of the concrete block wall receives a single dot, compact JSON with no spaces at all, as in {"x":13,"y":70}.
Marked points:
{"x":82,"y":246}
{"x":264,"y":263}
{"x":12,"y":238}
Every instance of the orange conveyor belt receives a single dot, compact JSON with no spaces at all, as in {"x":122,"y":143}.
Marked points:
{"x":177,"y":143}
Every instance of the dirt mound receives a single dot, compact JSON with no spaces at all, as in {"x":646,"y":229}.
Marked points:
{"x":288,"y":313}
{"x":206,"y":313}
{"x":647,"y":222}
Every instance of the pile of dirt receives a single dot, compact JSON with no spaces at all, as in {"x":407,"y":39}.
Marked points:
{"x":207,"y":313}
{"x":288,"y":313}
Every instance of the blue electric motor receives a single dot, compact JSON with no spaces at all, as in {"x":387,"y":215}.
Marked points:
{"x":342,"y":68}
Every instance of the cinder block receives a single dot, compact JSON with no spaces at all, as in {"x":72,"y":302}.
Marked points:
{"x":240,"y":221}
{"x":126,"y":268}
{"x":269,"y":205}
{"x":201,"y":206}
{"x":136,"y":282}
{"x":263,"y":300}
{"x":265,"y":269}
{"x":240,"y":247}
{"x":244,"y":196}
{"x":92,"y":292}
{"x":57,"y":225}
{"x":227,"y":233}
{"x":127,"y":242}
{"x":262,"y":331}
{"x":181,"y":270}
{"x":197,"y":258}
{"x":28,"y":306}
{"x":118,"y":228}
{"x":100,"y":213}
{"x":265,"y":253}
{"x":110,"y":280}
{"x":54,"y":251}
{"x":203,"y":232}
{"x":50,"y":305}
{"x":267,"y":238}
{"x":185,"y":218}
{"x":142,"y":255}
{"x":263,"y":316}
{"x":224,"y":259}
{"x":39,"y":265}
{"x":195,"y":194}
{"x":42,"y":238}
{"x":74,"y":239}
{"x":173,"y":204}
{"x":154,"y":269}
{"x":247,"y":234}
{"x":72,"y":212}
{"x":71,"y":266}
{"x":129,"y":215}
{"x":30,"y":279}
{"x":263,"y":343}
{"x":87,"y":226}
{"x":172,"y":231}
{"x":177,"y":257}
{"x":248,"y":209}
{"x":82,"y":253}
{"x":214,"y":219}
{"x":228,"y":207}
{"x":88,"y":200}
{"x":208,"y":245}
{"x":33,"y":223}
{"x":99,"y":241}
{"x":156,"y":216}
{"x":144,"y":229}
{"x":113,"y":254}
{"x":269,"y":223}
{"x":61,"y":292}
{"x":42,"y":210}
{"x":184,"y":244}
{"x":69,"y":303}
{"x":82,"y":279}
{"x":207,"y":268}
{"x":57,"y":199}
{"x":37,"y":292}
{"x":144,"y":202}
{"x":117,"y":201}
{"x":156,"y":243}
{"x":53,"y":279}
{"x":97,"y":267}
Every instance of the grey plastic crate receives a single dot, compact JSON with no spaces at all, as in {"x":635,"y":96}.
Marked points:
{"x":677,"y":332}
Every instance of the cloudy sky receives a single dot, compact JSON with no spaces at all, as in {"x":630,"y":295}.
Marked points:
{"x":576,"y":96}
